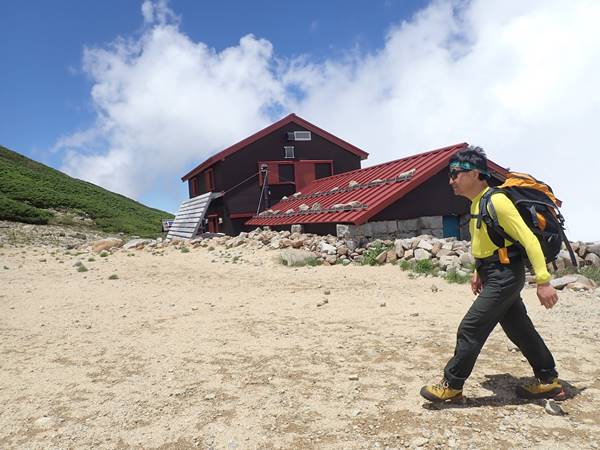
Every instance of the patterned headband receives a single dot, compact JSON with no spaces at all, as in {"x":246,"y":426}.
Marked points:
{"x":467,"y":166}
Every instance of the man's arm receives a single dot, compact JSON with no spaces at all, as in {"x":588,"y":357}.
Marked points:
{"x":514,"y":225}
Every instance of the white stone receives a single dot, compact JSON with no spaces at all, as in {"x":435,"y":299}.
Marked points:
{"x":449,"y":262}
{"x":422,"y":254}
{"x":425,"y":245}
{"x":399,"y":248}
{"x":593,"y":259}
{"x":324,"y":247}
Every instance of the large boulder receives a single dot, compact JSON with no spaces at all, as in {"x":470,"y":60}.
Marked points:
{"x":594,"y":248}
{"x":422,"y":254}
{"x":285,"y":242}
{"x":425,"y":245}
{"x":466,"y":259}
{"x":399,"y":247}
{"x":331,"y":259}
{"x":106,"y":244}
{"x":576,"y":281}
{"x":235,"y":242}
{"x":382,"y":257}
{"x":436,"y":247}
{"x":137,"y":243}
{"x":450,"y":262}
{"x":444,"y":252}
{"x":582,"y":284}
{"x":391,"y":256}
{"x":592,"y":259}
{"x":295,"y":257}
{"x":325,"y":247}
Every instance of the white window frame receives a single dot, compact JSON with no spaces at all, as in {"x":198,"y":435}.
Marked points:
{"x":302,"y":136}
{"x":289,"y":152}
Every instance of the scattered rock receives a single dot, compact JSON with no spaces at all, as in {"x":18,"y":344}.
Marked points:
{"x":381,"y":258}
{"x":419,"y":441}
{"x":45,"y":423}
{"x":296,"y":257}
{"x":137,"y":243}
{"x":553,"y":408}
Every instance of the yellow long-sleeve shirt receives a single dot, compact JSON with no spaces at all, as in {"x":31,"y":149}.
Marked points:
{"x":512,"y":222}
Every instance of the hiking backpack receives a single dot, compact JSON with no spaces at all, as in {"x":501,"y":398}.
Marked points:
{"x":538,"y":207}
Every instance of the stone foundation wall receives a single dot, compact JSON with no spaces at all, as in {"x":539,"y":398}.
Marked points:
{"x":392,"y":229}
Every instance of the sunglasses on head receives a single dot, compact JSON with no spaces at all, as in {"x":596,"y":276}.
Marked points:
{"x":454,"y":172}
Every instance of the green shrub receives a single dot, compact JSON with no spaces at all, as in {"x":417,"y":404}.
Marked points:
{"x":569,"y":270}
{"x":103,"y":254}
{"x":114,"y":276}
{"x":591,"y":272}
{"x":28,"y":190}
{"x":424,"y":266}
{"x":19,"y":211}
{"x":369,"y":257}
{"x":81,"y":268}
{"x":91,"y":259}
{"x":454,"y":277}
{"x":185,"y":250}
{"x":405,"y":265}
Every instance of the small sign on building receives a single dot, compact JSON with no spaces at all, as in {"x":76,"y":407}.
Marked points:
{"x":166,"y":224}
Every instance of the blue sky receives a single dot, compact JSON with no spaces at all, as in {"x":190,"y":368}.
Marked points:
{"x":130,"y":95}
{"x":43,"y":43}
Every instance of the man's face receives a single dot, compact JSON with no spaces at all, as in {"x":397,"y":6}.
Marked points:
{"x":462,"y":181}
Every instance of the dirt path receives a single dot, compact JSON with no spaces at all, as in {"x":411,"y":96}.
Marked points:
{"x":191,"y":350}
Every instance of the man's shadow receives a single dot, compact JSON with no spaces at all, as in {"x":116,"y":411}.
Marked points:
{"x":503,"y":388}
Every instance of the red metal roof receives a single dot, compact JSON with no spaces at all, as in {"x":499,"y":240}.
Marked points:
{"x":377,"y":187}
{"x":265,"y":131}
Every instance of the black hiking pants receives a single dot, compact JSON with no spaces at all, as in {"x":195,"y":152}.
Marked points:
{"x":499,"y":302}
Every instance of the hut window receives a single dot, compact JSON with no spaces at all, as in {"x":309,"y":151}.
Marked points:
{"x":288,"y":151}
{"x":286,"y":173}
{"x":322,"y":170}
{"x":209,"y":179}
{"x":195,"y":186}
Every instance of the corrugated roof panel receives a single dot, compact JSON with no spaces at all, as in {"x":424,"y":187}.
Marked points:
{"x":375,"y":197}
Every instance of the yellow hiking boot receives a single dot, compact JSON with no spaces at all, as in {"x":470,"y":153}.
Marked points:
{"x":441,"y":392}
{"x":551,"y":389}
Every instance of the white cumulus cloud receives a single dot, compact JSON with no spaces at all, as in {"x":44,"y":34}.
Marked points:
{"x":518,"y":78}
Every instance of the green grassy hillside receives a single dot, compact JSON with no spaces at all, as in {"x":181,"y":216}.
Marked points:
{"x":34,"y":193}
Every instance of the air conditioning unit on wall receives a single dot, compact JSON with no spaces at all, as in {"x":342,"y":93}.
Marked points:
{"x":299,"y":136}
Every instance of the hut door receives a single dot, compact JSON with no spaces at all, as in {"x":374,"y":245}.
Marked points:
{"x":213,"y":223}
{"x":451,"y":226}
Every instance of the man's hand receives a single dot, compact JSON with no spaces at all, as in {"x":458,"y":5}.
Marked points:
{"x":547,"y":295}
{"x":476,"y":283}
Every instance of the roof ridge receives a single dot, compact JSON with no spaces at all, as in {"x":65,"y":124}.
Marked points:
{"x":406,"y":158}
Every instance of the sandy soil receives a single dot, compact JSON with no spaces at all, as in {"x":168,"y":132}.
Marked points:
{"x":192,"y":350}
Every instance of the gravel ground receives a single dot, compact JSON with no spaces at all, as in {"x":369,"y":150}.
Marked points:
{"x":227,"y":349}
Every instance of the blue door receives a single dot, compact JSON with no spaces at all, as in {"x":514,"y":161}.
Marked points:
{"x":451,"y":226}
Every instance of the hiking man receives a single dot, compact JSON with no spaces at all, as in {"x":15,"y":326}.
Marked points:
{"x":497,"y":282}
